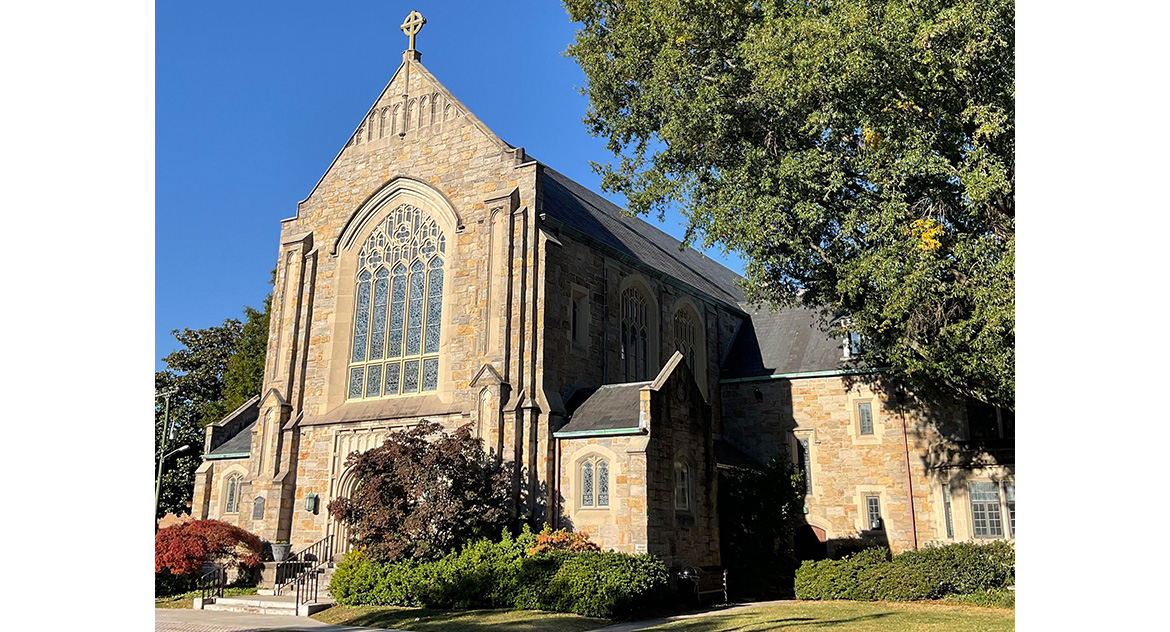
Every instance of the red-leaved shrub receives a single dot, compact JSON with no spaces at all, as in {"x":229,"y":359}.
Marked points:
{"x":182,"y":548}
{"x":561,"y":540}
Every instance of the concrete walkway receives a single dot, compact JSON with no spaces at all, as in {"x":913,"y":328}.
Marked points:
{"x":210,"y":621}
{"x":632,"y":626}
{"x":177,"y":620}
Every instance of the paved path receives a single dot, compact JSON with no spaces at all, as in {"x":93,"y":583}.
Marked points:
{"x":176,"y":620}
{"x":211,"y":621}
{"x":632,"y":626}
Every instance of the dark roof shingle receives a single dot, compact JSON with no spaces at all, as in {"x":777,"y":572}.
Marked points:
{"x":240,"y":443}
{"x":786,"y":341}
{"x":586,"y":212}
{"x":612,"y":407}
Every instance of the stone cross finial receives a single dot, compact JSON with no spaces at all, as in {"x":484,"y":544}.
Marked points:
{"x":412,"y":25}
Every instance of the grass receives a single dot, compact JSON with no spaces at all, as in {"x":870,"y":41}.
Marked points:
{"x":854,"y":616}
{"x":424,"y":620}
{"x":184,"y":600}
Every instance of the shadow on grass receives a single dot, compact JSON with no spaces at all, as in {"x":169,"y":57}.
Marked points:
{"x":424,"y":620}
{"x":746,"y":622}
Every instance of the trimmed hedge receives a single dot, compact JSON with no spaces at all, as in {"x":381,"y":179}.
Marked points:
{"x":488,"y":574}
{"x":930,"y":573}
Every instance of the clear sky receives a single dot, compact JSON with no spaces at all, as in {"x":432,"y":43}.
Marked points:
{"x":255,"y":98}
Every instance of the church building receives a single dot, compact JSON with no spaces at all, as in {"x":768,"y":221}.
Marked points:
{"x":436,"y":272}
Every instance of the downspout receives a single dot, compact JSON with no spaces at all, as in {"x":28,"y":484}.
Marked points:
{"x":556,"y":514}
{"x":909,"y":477}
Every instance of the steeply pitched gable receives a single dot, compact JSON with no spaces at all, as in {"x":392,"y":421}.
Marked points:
{"x":413,"y":103}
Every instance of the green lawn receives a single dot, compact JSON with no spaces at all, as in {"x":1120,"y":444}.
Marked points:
{"x":185,"y":600}
{"x":854,"y":616}
{"x":424,"y":620}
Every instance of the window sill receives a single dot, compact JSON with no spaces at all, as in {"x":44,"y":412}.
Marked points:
{"x":398,"y":407}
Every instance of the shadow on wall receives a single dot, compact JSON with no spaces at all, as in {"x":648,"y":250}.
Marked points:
{"x":952,"y":438}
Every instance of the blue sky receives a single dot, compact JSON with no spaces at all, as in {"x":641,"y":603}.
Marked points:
{"x":255,"y":98}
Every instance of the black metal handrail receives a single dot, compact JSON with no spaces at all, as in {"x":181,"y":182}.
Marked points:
{"x":211,"y":584}
{"x":307,"y":588}
{"x":303,"y":563}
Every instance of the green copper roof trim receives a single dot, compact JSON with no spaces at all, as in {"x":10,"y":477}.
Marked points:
{"x":788,"y":376}
{"x":232,"y":455}
{"x":598,"y":433}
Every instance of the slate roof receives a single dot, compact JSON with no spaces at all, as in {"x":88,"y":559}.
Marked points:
{"x":612,"y":407}
{"x":785,"y":341}
{"x":586,"y":212}
{"x":240,"y":443}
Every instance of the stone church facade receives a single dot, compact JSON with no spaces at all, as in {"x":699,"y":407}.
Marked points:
{"x":436,"y":272}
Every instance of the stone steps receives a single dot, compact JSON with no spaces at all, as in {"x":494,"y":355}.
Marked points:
{"x":266,"y":604}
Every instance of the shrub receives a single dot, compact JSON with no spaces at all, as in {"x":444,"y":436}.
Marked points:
{"x":562,"y":540}
{"x":607,"y":585}
{"x":998,"y":598}
{"x":182,"y":549}
{"x":487,"y":574}
{"x":930,"y":573}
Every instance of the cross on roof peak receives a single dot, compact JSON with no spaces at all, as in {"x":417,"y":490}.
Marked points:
{"x":412,"y":25}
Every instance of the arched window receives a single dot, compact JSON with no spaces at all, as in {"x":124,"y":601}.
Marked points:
{"x":595,"y":483}
{"x":398,"y":307}
{"x":232,"y":492}
{"x":635,"y":336}
{"x":684,"y":337}
{"x":682,"y":486}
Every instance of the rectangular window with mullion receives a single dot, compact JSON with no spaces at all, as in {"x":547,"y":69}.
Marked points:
{"x":985,"y":512}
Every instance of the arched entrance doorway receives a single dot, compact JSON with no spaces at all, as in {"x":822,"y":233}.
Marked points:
{"x":343,"y":489}
{"x":809,"y":543}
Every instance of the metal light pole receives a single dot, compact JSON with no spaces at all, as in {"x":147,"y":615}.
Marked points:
{"x":167,"y":431}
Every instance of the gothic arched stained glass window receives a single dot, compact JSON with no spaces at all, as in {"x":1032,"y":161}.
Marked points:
{"x":684,"y":337}
{"x":233,"y":494}
{"x":595,"y":490}
{"x":635,"y":348}
{"x":398,"y":307}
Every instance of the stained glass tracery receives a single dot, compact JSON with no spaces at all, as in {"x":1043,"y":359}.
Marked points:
{"x":398,"y":307}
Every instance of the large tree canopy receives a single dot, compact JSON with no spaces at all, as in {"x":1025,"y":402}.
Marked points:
{"x":859,"y":153}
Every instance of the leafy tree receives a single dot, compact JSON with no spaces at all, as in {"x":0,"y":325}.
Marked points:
{"x":758,"y":512}
{"x":424,"y":493}
{"x":214,"y":372}
{"x":860,"y":153}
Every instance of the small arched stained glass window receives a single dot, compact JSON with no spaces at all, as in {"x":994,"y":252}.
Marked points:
{"x":595,"y":483}
{"x":398,"y":307}
{"x":587,"y":484}
{"x":233,"y":494}
{"x":602,"y":484}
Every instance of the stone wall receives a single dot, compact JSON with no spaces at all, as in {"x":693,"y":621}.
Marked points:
{"x":577,"y":268}
{"x":621,"y":526}
{"x":765,"y":418}
{"x":680,"y":432}
{"x":642,"y":516}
